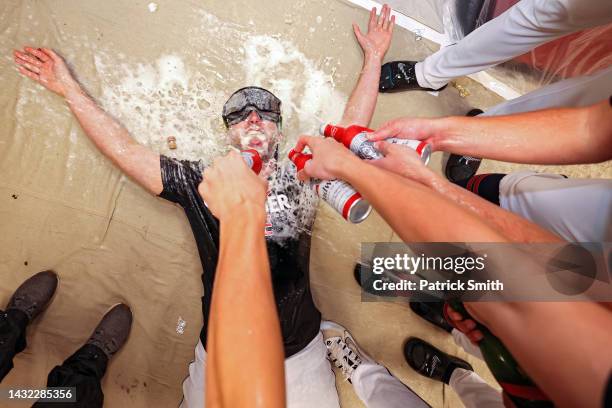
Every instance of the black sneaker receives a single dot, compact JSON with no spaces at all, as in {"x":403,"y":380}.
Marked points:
{"x":460,"y":168}
{"x":113,"y":330}
{"x":430,"y":362}
{"x":33,"y":295}
{"x":398,"y":76}
{"x":432,"y":312}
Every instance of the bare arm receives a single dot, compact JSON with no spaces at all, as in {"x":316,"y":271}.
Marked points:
{"x":110,"y":137}
{"x":405,"y":162}
{"x":416,"y":213}
{"x":244,"y":331}
{"x":552,"y":136}
{"x":362,"y":102}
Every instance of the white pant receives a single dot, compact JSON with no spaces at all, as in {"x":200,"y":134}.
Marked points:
{"x":309,"y":379}
{"x":378,"y":388}
{"x":524,"y":26}
{"x":576,"y":209}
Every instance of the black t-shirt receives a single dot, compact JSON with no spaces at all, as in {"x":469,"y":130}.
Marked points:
{"x":290,"y":207}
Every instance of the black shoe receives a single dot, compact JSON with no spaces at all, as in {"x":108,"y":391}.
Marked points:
{"x":368,"y":284}
{"x":459,"y":168}
{"x":432,"y":312}
{"x":400,"y":76}
{"x":113,"y":330}
{"x":33,"y":296}
{"x":430,"y":362}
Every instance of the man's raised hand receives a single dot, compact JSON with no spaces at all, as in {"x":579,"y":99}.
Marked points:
{"x":46,"y":67}
{"x":380,"y":30}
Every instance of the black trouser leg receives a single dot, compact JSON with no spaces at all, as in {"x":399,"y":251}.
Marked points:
{"x":83,"y":370}
{"x":12,"y":338}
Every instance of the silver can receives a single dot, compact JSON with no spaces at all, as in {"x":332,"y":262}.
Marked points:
{"x":365,"y":149}
{"x":342,"y":197}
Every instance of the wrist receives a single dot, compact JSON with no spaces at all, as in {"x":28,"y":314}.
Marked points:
{"x":245,"y":213}
{"x":443,"y":132}
{"x":372,"y":59}
{"x":345,"y":166}
{"x":72,"y":89}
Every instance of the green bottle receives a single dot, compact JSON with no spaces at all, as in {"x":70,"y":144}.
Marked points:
{"x":523,"y":392}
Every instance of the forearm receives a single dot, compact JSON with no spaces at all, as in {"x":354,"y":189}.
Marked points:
{"x":114,"y":141}
{"x":513,"y":227}
{"x":244,"y":319}
{"x":416,"y":213}
{"x":574,"y":337}
{"x":362,"y":102}
{"x":553,"y":136}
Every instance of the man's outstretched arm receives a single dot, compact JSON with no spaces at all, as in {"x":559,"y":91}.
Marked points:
{"x":362,"y":102}
{"x":551,"y":136}
{"x":404,"y":161}
{"x":47,"y":68}
{"x":245,"y":350}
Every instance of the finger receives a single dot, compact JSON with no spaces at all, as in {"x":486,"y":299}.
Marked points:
{"x":302,"y":176}
{"x":29,"y":74}
{"x":381,"y":16}
{"x":384,"y":132}
{"x":456,"y":317}
{"x":38,"y":54}
{"x":391,"y":24}
{"x":28,"y":66}
{"x":52,"y":54}
{"x":308,"y":168}
{"x":32,"y":60}
{"x":372,"y":20}
{"x":475,"y":336}
{"x":358,"y":33}
{"x":302,"y":142}
{"x":386,"y":17}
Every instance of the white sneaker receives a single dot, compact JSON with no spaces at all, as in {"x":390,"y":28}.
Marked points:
{"x":342,"y":349}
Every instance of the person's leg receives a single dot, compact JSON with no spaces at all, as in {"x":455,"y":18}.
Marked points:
{"x":572,"y":92}
{"x":372,"y":382}
{"x":484,"y":185}
{"x":27,"y":302}
{"x":378,"y":388}
{"x":432,"y":363}
{"x":464,"y":342}
{"x":12,"y":338}
{"x":83,"y":371}
{"x":86,"y":367}
{"x":473,"y":391}
{"x":576,"y":209}
{"x":520,"y":29}
{"x":309,"y":379}
{"x":194,"y":384}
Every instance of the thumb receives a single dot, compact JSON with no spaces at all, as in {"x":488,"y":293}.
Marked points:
{"x":383,"y":147}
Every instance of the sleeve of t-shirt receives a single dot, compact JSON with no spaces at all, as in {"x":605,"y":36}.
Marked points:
{"x":179,"y":177}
